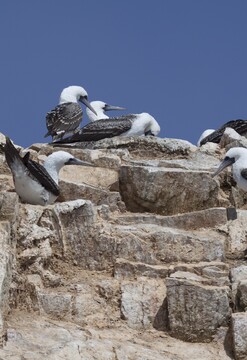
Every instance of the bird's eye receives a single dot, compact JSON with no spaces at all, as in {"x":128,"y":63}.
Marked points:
{"x":227,"y":158}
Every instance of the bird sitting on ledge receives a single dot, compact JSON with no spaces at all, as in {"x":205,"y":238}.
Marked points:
{"x":237,"y":157}
{"x":36,"y":184}
{"x":100,"y":107}
{"x":126,"y":125}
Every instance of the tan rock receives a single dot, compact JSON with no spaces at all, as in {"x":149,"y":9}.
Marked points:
{"x":141,"y":301}
{"x":239,"y":331}
{"x":73,"y":191}
{"x":6,"y":268}
{"x":195,"y":310}
{"x":95,"y":176}
{"x":168,"y":191}
{"x":208,"y":218}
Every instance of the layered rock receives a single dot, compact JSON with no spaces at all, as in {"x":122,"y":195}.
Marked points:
{"x":131,"y":262}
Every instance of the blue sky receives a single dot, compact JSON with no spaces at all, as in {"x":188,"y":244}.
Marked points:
{"x":183,"y":61}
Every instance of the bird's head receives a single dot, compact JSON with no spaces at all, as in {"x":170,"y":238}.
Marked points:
{"x":100,"y":108}
{"x":75,"y":94}
{"x":58,"y":159}
{"x":233,"y":155}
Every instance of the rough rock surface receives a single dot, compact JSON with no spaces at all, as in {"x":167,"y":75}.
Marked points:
{"x":143,"y":256}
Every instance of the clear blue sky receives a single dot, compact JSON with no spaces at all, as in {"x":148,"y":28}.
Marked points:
{"x":183,"y":61}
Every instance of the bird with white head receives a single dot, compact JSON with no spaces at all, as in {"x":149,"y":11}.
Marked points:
{"x":36,"y":184}
{"x":66,"y":117}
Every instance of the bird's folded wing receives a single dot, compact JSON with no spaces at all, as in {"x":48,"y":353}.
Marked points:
{"x":240,"y":126}
{"x":64,"y":117}
{"x":40,"y":173}
{"x":100,"y":129}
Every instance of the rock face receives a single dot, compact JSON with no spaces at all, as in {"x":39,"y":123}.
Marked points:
{"x":141,"y":257}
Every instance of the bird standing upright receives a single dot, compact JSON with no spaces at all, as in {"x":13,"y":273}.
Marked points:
{"x":67,"y":116}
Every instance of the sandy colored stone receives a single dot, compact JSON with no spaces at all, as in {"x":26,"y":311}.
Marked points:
{"x":196,"y":310}
{"x":141,"y":301}
{"x":239,"y":332}
{"x":168,"y":191}
{"x":96,"y":176}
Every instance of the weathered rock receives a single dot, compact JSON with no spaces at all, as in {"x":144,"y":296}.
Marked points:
{"x":9,"y":207}
{"x":141,"y":301}
{"x":125,"y":269}
{"x":238,"y":278}
{"x":7,"y":249}
{"x":239,"y":330}
{"x":73,"y":191}
{"x":196,"y":309}
{"x":173,"y":245}
{"x":208,"y":218}
{"x":168,"y":191}
{"x":236,"y":235}
{"x":31,"y":337}
{"x":97,"y":177}
{"x":140,"y":146}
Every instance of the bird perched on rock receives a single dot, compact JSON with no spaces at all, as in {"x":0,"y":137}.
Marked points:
{"x":237,"y":157}
{"x":34,"y":183}
{"x":204,"y":135}
{"x":67,"y":116}
{"x":100,"y":107}
{"x":240,"y":126}
{"x":126,"y":125}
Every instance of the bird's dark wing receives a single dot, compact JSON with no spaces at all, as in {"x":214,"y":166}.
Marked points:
{"x":244,"y":173}
{"x":12,"y":155}
{"x":100,"y":129}
{"x":35,"y":170}
{"x":39,"y":172}
{"x":65,"y":117}
{"x":240,"y":126}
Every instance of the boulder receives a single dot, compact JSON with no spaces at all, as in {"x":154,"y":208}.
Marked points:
{"x":196,"y":309}
{"x":168,"y":191}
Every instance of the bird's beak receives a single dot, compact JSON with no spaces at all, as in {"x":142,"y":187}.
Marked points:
{"x":75,"y":161}
{"x":111,"y":107}
{"x":223,"y":165}
{"x":87,"y":103}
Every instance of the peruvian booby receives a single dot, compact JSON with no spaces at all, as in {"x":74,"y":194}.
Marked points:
{"x":36,"y":184}
{"x":100,"y":107}
{"x":203,"y":135}
{"x":237,"y":157}
{"x":67,"y":116}
{"x":126,"y":125}
{"x":240,"y":126}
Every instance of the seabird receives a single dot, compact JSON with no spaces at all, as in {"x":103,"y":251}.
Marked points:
{"x":203,"y":135}
{"x":36,"y":184}
{"x":100,"y":107}
{"x":126,"y":125}
{"x":240,"y":126}
{"x":67,"y":116}
{"x":237,"y":157}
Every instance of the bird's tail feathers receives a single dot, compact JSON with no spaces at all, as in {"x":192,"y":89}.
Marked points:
{"x":12,"y":155}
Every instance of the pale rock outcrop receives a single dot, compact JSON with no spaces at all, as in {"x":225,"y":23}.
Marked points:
{"x":239,"y":327}
{"x":135,"y":254}
{"x":196,"y":308}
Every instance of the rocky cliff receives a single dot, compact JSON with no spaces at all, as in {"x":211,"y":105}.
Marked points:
{"x":142,"y":257}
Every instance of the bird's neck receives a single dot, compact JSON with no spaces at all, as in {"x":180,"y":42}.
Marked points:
{"x":52,"y":168}
{"x":100,"y":115}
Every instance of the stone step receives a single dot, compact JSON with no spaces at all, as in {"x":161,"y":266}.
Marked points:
{"x":208,"y":218}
